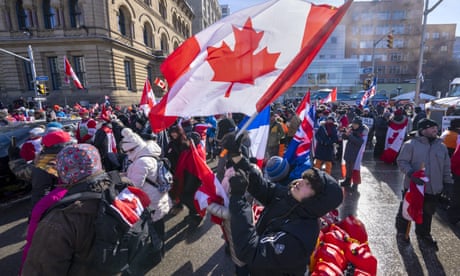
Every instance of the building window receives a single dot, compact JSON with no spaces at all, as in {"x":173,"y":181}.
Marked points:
{"x":334,"y":40}
{"x":128,"y":75}
{"x":49,"y":15}
{"x":164,"y":44}
{"x":162,"y":9}
{"x":148,"y":37}
{"x":148,"y":2}
{"x":28,"y":76}
{"x":176,"y":45}
{"x":436,"y":35}
{"x":399,"y":15}
{"x":443,"y":48}
{"x":380,"y":69}
{"x":122,"y":22}
{"x":74,"y":13}
{"x":150,"y":73}
{"x":54,"y":72}
{"x":24,"y":16}
{"x":395,"y":57}
{"x":79,"y":68}
{"x":394,"y":69}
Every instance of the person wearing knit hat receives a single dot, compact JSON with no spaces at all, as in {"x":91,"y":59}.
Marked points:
{"x":70,"y":230}
{"x":33,"y":146}
{"x":425,"y":151}
{"x":277,"y":170}
{"x":326,"y":137}
{"x":143,"y":174}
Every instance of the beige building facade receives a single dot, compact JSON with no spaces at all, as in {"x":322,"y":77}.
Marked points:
{"x":112,"y":45}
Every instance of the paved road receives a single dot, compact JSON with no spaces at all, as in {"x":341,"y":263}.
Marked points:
{"x":202,"y":252}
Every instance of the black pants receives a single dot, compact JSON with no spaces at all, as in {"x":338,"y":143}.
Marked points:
{"x":430,"y":204}
{"x":191,"y":185}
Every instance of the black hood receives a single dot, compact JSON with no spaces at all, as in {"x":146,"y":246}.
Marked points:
{"x":325,"y":201}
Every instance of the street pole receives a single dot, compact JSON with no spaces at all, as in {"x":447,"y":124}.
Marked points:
{"x":34,"y":74}
{"x":418,"y":79}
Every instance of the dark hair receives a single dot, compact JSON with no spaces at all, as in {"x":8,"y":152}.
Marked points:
{"x":316,"y":181}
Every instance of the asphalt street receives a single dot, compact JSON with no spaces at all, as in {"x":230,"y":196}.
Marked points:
{"x":202,"y":251}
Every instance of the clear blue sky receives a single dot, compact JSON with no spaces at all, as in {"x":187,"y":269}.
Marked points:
{"x":446,"y":13}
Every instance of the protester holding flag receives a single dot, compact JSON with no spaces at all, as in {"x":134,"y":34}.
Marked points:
{"x":286,"y":232}
{"x":427,"y":149}
{"x":396,"y":133}
{"x":355,"y":137}
{"x":326,"y":136}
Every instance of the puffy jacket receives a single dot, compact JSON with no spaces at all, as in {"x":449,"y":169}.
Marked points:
{"x":325,"y":142}
{"x":286,"y":233}
{"x":355,"y":141}
{"x":63,"y":239}
{"x":433,"y":156}
{"x":143,"y":167}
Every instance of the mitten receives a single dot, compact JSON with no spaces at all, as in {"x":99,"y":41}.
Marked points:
{"x":238,"y":183}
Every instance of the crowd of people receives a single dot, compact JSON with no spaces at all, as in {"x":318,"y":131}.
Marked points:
{"x":110,"y":138}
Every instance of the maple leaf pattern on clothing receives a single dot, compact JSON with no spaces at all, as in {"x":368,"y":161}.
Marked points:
{"x":241,"y":65}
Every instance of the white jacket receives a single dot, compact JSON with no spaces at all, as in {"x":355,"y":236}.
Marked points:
{"x":144,"y":167}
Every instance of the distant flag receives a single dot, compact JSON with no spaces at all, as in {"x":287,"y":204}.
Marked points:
{"x":300,"y":146}
{"x":369,"y":93}
{"x":258,"y":132}
{"x":244,"y":61}
{"x":412,"y":208}
{"x":331,"y":97}
{"x":160,"y":83}
{"x":147,"y":99}
{"x":70,"y":73}
{"x":301,"y":107}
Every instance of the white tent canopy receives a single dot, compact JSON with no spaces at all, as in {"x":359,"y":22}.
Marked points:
{"x":411,"y":95}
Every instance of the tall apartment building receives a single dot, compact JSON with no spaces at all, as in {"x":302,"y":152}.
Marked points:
{"x":368,"y":25}
{"x":113,"y":46}
{"x":206,"y":13}
{"x":439,"y":45}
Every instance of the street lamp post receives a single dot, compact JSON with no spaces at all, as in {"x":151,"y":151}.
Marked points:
{"x":426,"y":11}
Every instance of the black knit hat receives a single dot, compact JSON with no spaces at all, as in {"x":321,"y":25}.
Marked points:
{"x":426,"y":123}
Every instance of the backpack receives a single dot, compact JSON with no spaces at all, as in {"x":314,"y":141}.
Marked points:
{"x":164,"y":179}
{"x":118,"y":246}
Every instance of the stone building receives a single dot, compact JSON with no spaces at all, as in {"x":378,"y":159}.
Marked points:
{"x":113,"y":46}
{"x":206,"y":13}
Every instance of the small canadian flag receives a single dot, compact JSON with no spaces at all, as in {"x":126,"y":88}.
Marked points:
{"x":147,"y":99}
{"x":160,"y":83}
{"x":70,"y":73}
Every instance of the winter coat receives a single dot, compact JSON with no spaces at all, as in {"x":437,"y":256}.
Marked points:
{"x":63,"y":239}
{"x":286,"y":233}
{"x":325,"y":142}
{"x":455,"y":162}
{"x":355,"y":141}
{"x":143,"y":167}
{"x":433,"y":156}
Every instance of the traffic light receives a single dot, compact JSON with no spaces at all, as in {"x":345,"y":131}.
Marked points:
{"x":390,"y":41}
{"x":367,"y":84}
{"x":41,"y":89}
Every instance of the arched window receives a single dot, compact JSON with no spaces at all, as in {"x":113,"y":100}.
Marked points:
{"x":176,"y":45}
{"x":174,"y":19}
{"x":122,"y":22}
{"x":75,"y":14}
{"x":164,"y":44}
{"x":49,"y":14}
{"x":162,"y":9}
{"x":24,"y":19}
{"x":148,"y":37}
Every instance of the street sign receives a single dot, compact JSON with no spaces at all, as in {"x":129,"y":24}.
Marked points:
{"x":367,"y":70}
{"x":39,"y":99}
{"x":41,"y":78}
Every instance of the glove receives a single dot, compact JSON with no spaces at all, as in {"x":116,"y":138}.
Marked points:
{"x":232,"y":144}
{"x":238,"y":183}
{"x":13,"y":153}
{"x":416,"y":180}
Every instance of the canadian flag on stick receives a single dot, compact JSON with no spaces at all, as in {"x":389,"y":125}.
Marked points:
{"x":70,"y":73}
{"x":160,"y":83}
{"x":147,"y":99}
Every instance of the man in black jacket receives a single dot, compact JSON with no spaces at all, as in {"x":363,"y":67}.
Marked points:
{"x":285,"y":235}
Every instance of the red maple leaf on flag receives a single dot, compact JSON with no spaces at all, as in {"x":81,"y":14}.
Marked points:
{"x":241,"y":65}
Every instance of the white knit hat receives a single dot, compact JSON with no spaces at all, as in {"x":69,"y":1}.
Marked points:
{"x":130,"y":140}
{"x":37,"y":131}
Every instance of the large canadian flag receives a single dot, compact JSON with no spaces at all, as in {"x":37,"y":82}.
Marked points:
{"x":244,"y":61}
{"x":394,"y":140}
{"x":147,"y":99}
{"x":70,"y":73}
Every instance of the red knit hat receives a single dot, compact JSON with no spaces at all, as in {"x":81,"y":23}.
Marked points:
{"x":55,"y":137}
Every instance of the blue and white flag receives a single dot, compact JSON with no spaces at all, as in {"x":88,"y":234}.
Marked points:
{"x":258,"y":133}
